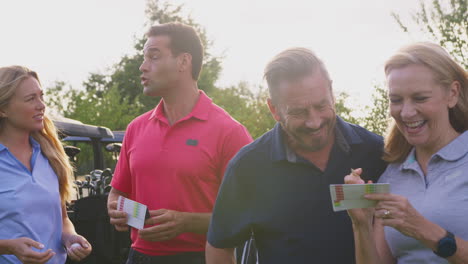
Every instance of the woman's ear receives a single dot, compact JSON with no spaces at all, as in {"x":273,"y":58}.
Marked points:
{"x":453,"y":94}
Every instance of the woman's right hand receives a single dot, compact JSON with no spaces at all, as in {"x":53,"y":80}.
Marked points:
{"x":359,"y":216}
{"x":22,"y":249}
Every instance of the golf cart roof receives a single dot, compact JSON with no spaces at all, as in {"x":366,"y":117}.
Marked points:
{"x":73,"y":130}
{"x":71,"y":127}
{"x":116,"y":138}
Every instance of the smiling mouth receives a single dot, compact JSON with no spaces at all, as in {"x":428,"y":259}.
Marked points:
{"x":39,"y":116}
{"x":416,"y":124}
{"x":308,"y":131}
{"x":315,"y":132}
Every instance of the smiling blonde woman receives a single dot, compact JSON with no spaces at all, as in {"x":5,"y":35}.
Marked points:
{"x":423,"y":220}
{"x":35,"y":176}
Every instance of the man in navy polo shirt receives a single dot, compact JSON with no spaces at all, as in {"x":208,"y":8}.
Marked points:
{"x":278,"y":187}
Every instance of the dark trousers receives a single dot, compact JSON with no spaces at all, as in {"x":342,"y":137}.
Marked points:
{"x":135,"y":257}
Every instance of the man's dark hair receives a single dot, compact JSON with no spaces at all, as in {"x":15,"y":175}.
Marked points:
{"x":292,"y":65}
{"x":183,"y":39}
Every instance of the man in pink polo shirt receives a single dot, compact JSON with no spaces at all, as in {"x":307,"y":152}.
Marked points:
{"x":173,"y":157}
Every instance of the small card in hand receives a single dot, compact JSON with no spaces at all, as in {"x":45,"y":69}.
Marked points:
{"x":348,"y":196}
{"x":137,"y":212}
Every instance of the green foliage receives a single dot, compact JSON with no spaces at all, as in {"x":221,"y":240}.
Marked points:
{"x":378,"y":118}
{"x":125,"y":75}
{"x":247,"y":107}
{"x":107,"y":109}
{"x":252,"y":111}
{"x":111,"y":110}
{"x":115,"y":98}
{"x":56,"y":98}
{"x":105,"y":96}
{"x":446,"y":22}
{"x":342,"y":110}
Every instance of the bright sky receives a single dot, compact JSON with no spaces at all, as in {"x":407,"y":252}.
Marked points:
{"x":66,"y":40}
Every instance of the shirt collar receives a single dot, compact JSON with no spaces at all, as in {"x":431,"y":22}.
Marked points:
{"x":410,"y":162}
{"x":199,"y":111}
{"x":278,"y":149}
{"x":456,"y":149}
{"x":453,"y":151}
{"x":35,"y":145}
{"x":349,"y":134}
{"x":344,"y":137}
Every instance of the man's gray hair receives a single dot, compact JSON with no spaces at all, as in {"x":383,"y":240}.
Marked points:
{"x":292,"y":65}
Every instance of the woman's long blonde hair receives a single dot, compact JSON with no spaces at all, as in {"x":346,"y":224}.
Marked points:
{"x":10,"y":79}
{"x":445,"y":71}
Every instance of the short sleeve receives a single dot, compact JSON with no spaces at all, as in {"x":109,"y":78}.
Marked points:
{"x":122,"y":179}
{"x":231,"y":220}
{"x":233,"y":142}
{"x":374,"y":165}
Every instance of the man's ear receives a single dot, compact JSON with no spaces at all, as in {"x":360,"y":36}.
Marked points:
{"x":273,"y":110}
{"x":185,"y":62}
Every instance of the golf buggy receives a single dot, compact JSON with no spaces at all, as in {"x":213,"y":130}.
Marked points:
{"x":94,"y":151}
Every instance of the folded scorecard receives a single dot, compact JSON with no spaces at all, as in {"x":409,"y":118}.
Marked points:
{"x":348,"y":196}
{"x":137,"y":212}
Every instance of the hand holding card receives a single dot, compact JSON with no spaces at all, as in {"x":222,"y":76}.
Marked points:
{"x":137,"y":212}
{"x":348,"y":196}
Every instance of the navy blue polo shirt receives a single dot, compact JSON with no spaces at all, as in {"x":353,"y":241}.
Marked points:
{"x":285,"y":200}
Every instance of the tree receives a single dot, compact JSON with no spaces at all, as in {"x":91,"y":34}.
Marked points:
{"x":445,"y":22}
{"x":109,"y":109}
{"x":57,"y":98}
{"x":378,"y":118}
{"x":247,"y":107}
{"x":98,"y":108}
{"x":342,"y":110}
{"x":105,"y":96}
{"x":115,"y":98}
{"x":251,"y":109}
{"x":125,"y":75}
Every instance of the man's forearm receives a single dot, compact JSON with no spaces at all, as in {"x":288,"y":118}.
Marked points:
{"x":197,"y":222}
{"x":219,"y":255}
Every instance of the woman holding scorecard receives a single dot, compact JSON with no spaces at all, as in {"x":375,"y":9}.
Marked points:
{"x":424,"y":218}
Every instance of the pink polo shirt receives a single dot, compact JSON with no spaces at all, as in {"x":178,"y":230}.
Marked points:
{"x":178,"y":167}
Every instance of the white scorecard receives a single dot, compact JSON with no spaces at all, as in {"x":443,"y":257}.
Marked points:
{"x":136,"y":211}
{"x":348,"y":196}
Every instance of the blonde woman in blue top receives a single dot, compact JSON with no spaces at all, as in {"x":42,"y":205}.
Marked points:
{"x":35,"y":178}
{"x":424,"y":218}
